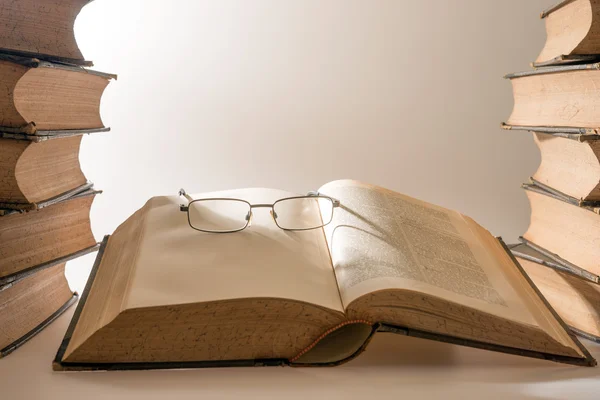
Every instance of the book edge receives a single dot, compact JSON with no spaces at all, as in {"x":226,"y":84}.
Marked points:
{"x":585,"y":335}
{"x":43,"y":135}
{"x":47,"y":57}
{"x":69,"y":333}
{"x":544,"y":263}
{"x":10,"y":280}
{"x":553,"y":70}
{"x":561,"y":264}
{"x":59,"y":365}
{"x":40,"y":327}
{"x":86,"y":189}
{"x":537,"y":187}
{"x":555,"y":7}
{"x":572,"y":133}
{"x":567,"y":59}
{"x":32,"y":62}
{"x":587,"y":360}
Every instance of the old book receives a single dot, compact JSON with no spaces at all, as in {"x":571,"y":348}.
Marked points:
{"x":50,"y":234}
{"x":43,"y":97}
{"x":564,"y":98}
{"x":163,"y":295}
{"x":573,"y":33}
{"x":570,"y":166}
{"x":565,"y":227}
{"x":41,"y":29}
{"x":576,"y":300}
{"x":31,"y":304}
{"x":33,"y":172}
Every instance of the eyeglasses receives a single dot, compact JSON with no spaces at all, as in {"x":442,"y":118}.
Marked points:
{"x":227,"y":215}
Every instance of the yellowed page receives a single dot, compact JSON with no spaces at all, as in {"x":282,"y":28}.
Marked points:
{"x":380,"y":239}
{"x":176,"y":264}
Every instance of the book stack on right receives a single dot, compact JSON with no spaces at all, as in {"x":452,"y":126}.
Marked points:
{"x":559,"y":102}
{"x":48,"y":101}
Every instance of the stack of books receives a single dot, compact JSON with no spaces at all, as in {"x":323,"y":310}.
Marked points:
{"x":559,"y":102}
{"x":48,"y":100}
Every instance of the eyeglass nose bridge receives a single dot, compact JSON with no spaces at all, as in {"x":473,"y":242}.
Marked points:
{"x":272,"y":212}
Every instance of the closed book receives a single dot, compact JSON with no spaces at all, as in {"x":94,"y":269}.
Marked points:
{"x":42,"y":96}
{"x":575,"y":299}
{"x":34,"y":172}
{"x":46,"y":235}
{"x":564,"y":226}
{"x":31,"y":304}
{"x":564,"y":99}
{"x":44,"y":29}
{"x":570,"y":165}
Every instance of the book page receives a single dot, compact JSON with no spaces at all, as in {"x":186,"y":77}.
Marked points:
{"x":381,"y":240}
{"x":176,"y":264}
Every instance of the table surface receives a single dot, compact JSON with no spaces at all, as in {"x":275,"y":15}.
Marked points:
{"x":392,"y":364}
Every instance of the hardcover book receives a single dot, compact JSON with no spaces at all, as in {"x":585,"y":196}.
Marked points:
{"x":34,"y":172}
{"x":41,"y":29}
{"x":575,"y":299}
{"x":44,"y":97}
{"x":31,"y":304}
{"x":164,"y":295}
{"x":564,"y":99}
{"x":573,"y":33}
{"x":45,"y":236}
{"x":572,"y":167}
{"x":558,"y":222}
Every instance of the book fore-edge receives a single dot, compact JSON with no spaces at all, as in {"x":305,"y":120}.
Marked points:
{"x":60,"y":365}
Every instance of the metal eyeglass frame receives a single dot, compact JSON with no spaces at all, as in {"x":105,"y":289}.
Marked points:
{"x":185,"y":208}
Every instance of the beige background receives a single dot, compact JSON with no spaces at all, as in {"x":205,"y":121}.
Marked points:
{"x":291,"y":94}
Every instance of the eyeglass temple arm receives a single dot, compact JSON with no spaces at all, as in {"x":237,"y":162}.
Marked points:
{"x":336,"y":202}
{"x":183,"y":193}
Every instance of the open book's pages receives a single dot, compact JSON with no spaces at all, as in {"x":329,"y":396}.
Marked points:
{"x":165,"y":292}
{"x":561,"y":97}
{"x":575,"y":299}
{"x":36,"y":172}
{"x":408,"y":263}
{"x":573,"y":33}
{"x":570,"y":166}
{"x":162,"y":292}
{"x":565,"y":229}
{"x":45,"y":29}
{"x":49,"y":97}
{"x":32,"y":303}
{"x":53,"y":234}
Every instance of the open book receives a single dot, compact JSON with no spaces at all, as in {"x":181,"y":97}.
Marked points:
{"x":163,"y":295}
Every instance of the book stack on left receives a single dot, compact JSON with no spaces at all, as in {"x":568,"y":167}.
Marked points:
{"x":48,"y":100}
{"x":559,"y":102}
